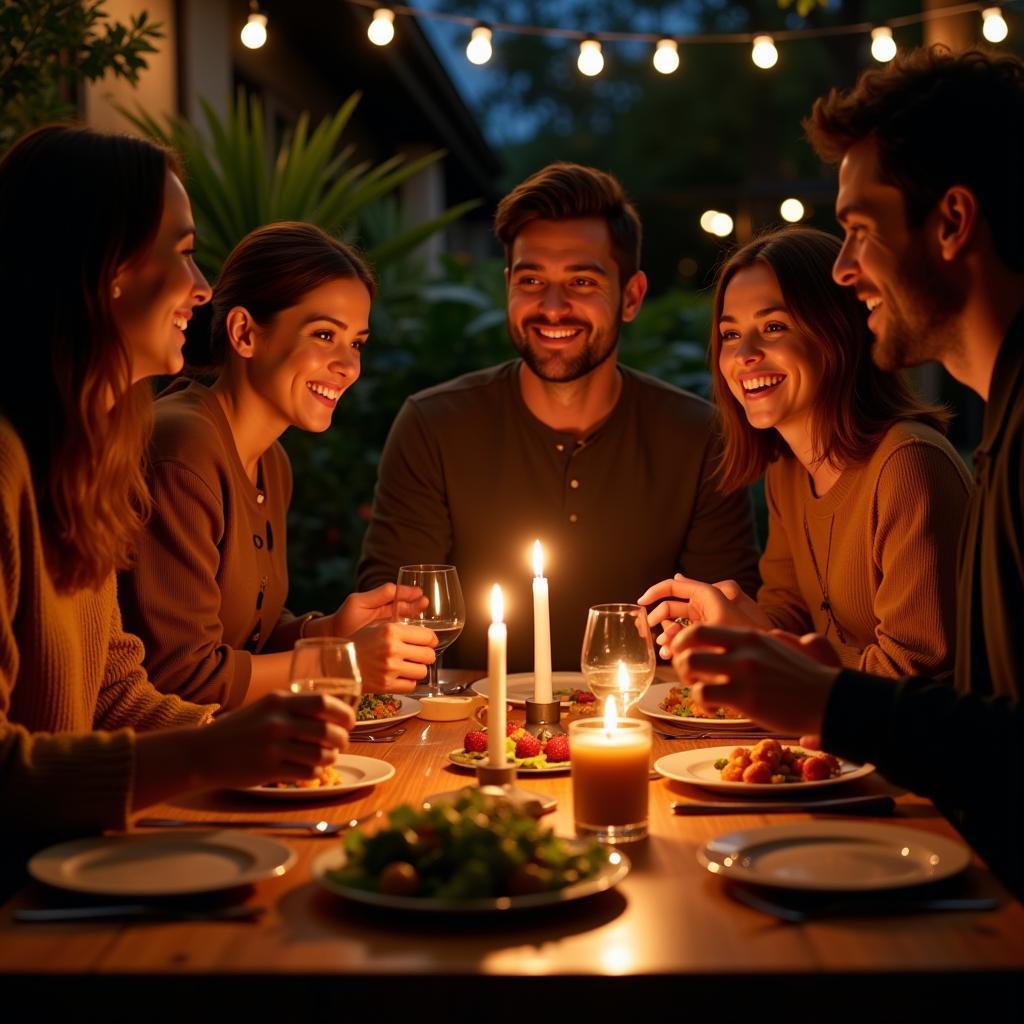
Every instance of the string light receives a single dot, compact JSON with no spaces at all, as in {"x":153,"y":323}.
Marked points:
{"x":382,"y":28}
{"x":883,"y":46}
{"x":591,"y":60}
{"x":764,"y":54}
{"x":721,"y":225}
{"x":254,"y":31}
{"x":792,"y":210}
{"x":993,"y":25}
{"x":666,"y":56}
{"x":706,"y":219}
{"x":479,"y":50}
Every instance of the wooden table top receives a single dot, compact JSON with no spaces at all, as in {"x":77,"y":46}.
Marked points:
{"x":669,"y":927}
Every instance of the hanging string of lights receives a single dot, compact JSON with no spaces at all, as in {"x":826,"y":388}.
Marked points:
{"x":666,"y":58}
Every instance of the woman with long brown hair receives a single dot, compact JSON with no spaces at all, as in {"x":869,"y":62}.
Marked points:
{"x":98,"y":285}
{"x":207,"y":592}
{"x":865,"y":496}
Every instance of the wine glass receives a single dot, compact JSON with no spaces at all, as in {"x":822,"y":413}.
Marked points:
{"x":445,"y":611}
{"x":326,"y":664}
{"x":618,"y":654}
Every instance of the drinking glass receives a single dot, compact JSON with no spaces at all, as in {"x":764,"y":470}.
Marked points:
{"x":618,"y":654}
{"x":445,"y":611}
{"x":326,"y":664}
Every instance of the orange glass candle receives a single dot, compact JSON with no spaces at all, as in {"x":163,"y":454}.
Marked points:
{"x":610,"y":776}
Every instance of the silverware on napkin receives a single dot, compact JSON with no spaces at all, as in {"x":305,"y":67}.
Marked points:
{"x":138,"y":910}
{"x":874,"y":804}
{"x":317,"y":828}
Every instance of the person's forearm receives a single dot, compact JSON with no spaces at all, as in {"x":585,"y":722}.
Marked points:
{"x":168,"y":763}
{"x":269,"y":672}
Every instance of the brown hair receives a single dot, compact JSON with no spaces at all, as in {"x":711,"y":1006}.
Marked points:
{"x":565,"y":191}
{"x":856,"y":402}
{"x":939,"y":119}
{"x":74,"y":206}
{"x":270,"y":270}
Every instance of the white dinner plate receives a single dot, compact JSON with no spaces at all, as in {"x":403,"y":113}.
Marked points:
{"x":407,"y":709}
{"x":659,"y":691}
{"x":165,"y":864}
{"x":356,"y":771}
{"x":834,"y":856}
{"x":698,"y":768}
{"x":521,"y":684}
{"x":614,"y":871}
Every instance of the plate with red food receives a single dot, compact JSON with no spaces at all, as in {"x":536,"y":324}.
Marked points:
{"x":531,"y":755}
{"x":767,"y":767}
{"x":673,"y":703}
{"x":569,"y":687}
{"x":375,"y":709}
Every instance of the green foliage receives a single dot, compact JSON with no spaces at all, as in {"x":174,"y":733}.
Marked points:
{"x":50,"y":46}
{"x":235,"y":187}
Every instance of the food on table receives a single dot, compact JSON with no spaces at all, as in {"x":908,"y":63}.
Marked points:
{"x":326,"y":775}
{"x":374,"y":706}
{"x":679,"y":702}
{"x":480,"y":846}
{"x":769,"y":762}
{"x":522,"y":748}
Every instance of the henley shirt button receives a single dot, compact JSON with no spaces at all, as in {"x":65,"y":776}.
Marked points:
{"x":257,"y":540}
{"x":574,"y":484}
{"x":260,"y":497}
{"x":559,"y":447}
{"x":573,"y":517}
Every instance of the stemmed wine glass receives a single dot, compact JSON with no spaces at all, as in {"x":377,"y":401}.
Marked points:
{"x":444,"y":613}
{"x":326,"y":664}
{"x":618,"y":654}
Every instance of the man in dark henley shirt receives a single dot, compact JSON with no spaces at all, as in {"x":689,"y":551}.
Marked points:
{"x":611,"y":469}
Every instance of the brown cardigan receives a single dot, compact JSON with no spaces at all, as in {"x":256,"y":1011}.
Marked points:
{"x":211,"y":579}
{"x":72,"y":687}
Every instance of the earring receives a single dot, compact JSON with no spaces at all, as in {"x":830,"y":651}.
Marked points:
{"x":117,"y":291}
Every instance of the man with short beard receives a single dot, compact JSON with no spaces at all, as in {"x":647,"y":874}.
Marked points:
{"x":931,"y":197}
{"x":611,"y":469}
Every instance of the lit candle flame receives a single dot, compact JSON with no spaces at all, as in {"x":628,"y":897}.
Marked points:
{"x":497,"y":605}
{"x":611,"y":718}
{"x":538,"y":559}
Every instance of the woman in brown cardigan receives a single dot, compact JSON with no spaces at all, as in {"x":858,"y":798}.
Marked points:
{"x":97,"y":285}
{"x":865,"y":496}
{"x":207,"y":592}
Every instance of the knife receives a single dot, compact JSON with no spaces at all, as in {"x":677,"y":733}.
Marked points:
{"x":878,"y":804}
{"x":139,"y":910}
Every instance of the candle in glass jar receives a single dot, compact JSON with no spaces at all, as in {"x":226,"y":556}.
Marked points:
{"x":497,"y":642}
{"x":541,"y":629}
{"x":610,"y":768}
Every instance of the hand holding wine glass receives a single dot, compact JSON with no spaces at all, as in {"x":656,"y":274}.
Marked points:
{"x":326,"y":664}
{"x":443,"y":609}
{"x":618,"y":654}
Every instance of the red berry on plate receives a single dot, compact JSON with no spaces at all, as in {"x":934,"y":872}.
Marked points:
{"x":475,"y":741}
{"x":583,"y":697}
{"x":527,"y":745}
{"x":557,"y":748}
{"x":511,"y":728}
{"x":815,"y":769}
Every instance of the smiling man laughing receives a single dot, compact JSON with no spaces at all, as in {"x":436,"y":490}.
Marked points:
{"x":611,"y":469}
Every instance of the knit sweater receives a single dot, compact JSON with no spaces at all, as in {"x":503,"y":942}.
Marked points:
{"x":882,"y":551}
{"x":210,"y":581}
{"x":72,"y":687}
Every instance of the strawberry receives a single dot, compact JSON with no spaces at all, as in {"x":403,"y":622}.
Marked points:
{"x":527,"y":745}
{"x":475,"y":741}
{"x":557,"y":748}
{"x":511,"y":728}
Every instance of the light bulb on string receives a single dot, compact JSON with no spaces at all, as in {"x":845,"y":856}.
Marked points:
{"x":721,"y":225}
{"x":591,"y":60}
{"x":382,"y":28}
{"x":479,"y":50}
{"x":666,"y":56}
{"x":883,"y":46}
{"x":763,"y":52}
{"x":792,"y":210}
{"x":706,"y":219}
{"x":254,"y":31}
{"x":993,"y":25}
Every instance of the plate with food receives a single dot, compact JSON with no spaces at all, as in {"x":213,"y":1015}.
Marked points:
{"x":172,"y":863}
{"x":419,"y":861}
{"x":531,"y":755}
{"x":520,"y":685}
{"x":834,"y":856}
{"x":767,"y":767}
{"x":349,"y":772}
{"x":376,"y":709}
{"x":673,"y":703}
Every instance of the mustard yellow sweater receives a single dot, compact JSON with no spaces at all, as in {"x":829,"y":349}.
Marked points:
{"x":72,"y":690}
{"x":883,"y":547}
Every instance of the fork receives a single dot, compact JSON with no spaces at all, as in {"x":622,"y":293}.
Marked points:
{"x":375,"y":737}
{"x":317,"y":828}
{"x":719,"y":734}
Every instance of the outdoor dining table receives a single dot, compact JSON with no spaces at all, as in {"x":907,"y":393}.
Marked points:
{"x":670,"y":935}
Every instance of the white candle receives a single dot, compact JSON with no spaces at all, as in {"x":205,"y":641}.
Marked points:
{"x":497,"y":642}
{"x":541,"y":629}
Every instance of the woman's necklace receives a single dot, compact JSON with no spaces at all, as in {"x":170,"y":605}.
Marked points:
{"x":826,"y":605}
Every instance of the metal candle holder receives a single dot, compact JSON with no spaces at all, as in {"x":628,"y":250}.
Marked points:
{"x":544,"y":718}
